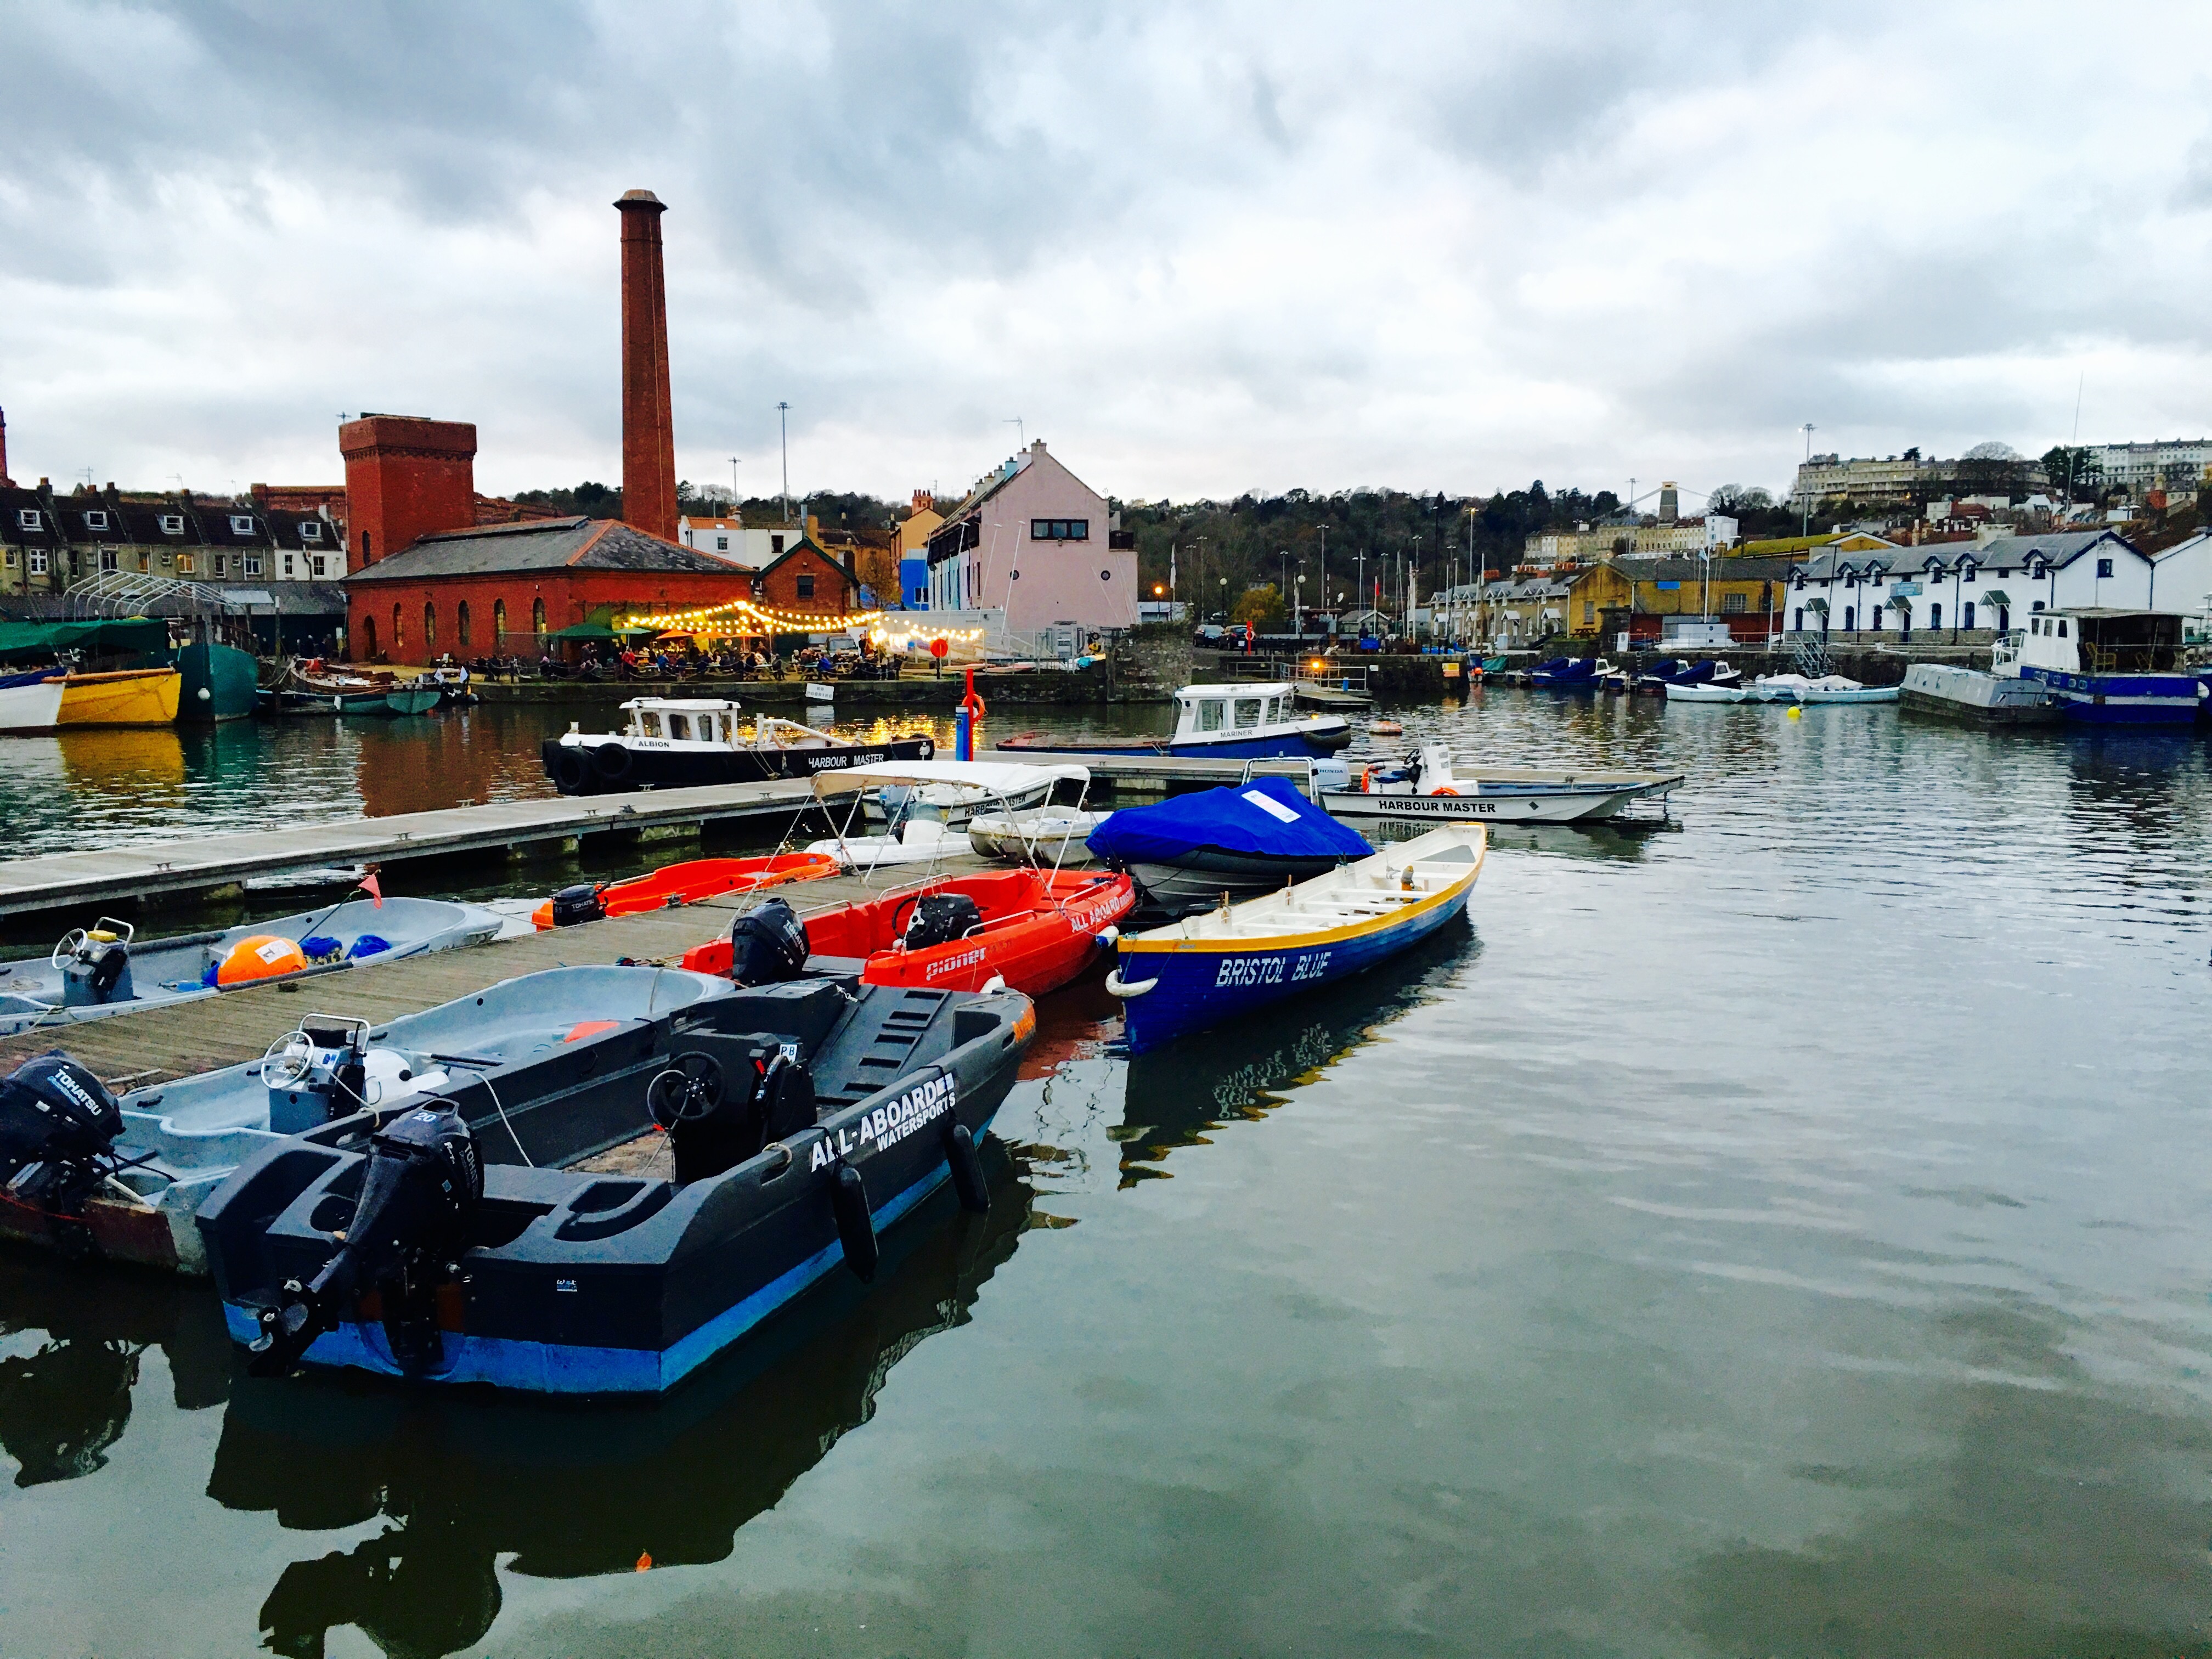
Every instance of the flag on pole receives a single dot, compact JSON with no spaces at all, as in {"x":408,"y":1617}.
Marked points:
{"x":370,"y":886}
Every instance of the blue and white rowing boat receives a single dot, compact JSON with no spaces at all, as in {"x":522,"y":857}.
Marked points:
{"x":1204,"y":969}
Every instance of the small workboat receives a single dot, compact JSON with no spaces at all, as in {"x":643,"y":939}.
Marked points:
{"x":1222,"y":722}
{"x":1209,"y":967}
{"x":1187,"y":852}
{"x":30,"y":702}
{"x":675,"y":742}
{"x":2107,"y":667}
{"x":677,"y":884}
{"x":1041,"y":834}
{"x":124,"y":696}
{"x":218,"y":683}
{"x":1435,"y":787}
{"x":95,"y":972}
{"x":128,"y":1187}
{"x":633,"y":1228}
{"x":1030,"y":930}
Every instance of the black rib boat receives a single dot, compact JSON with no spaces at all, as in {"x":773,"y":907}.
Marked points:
{"x":800,"y":1119}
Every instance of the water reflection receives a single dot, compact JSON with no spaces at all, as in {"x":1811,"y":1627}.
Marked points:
{"x":1176,"y":1096}
{"x":74,"y":1338}
{"x":573,"y":1490}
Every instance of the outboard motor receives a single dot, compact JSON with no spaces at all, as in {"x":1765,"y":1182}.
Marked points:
{"x":579,"y":903}
{"x":410,"y":1226}
{"x":940,"y":918}
{"x":56,"y":1116}
{"x":95,"y":964}
{"x":768,"y":945}
{"x":317,"y":1073}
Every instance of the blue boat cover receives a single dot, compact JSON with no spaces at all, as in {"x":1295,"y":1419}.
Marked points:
{"x":1233,"y":821}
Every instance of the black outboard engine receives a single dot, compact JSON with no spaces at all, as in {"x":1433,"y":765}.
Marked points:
{"x":55,"y":1114}
{"x":768,"y":945}
{"x":940,"y":918}
{"x":579,"y":903}
{"x":418,"y":1199}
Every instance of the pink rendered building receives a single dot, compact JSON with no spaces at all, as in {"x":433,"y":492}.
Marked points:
{"x":1036,"y":541}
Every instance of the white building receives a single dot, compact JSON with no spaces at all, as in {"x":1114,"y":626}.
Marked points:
{"x":748,"y":547}
{"x":1958,"y":586}
{"x":2182,"y":465}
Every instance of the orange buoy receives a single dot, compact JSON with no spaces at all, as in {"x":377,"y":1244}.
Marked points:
{"x":264,"y":956}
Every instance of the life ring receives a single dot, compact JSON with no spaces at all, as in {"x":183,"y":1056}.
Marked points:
{"x":572,"y":773}
{"x":611,"y":761}
{"x":928,"y":749}
{"x":1443,"y":789}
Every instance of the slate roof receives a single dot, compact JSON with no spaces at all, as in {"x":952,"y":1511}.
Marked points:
{"x":540,"y":544}
{"x":2006,"y":553}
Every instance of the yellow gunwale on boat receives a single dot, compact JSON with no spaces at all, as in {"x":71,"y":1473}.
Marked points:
{"x":129,"y":697}
{"x":1172,"y":937}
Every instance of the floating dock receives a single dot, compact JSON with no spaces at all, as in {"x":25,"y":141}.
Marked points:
{"x":178,"y":1039}
{"x":78,"y":882}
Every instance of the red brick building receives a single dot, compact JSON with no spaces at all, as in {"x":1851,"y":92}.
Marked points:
{"x":502,"y":589}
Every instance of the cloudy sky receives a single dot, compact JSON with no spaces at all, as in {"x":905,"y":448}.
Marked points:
{"x":1199,"y":248}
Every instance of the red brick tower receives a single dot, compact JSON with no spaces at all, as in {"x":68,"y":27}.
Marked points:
{"x":648,"y":437}
{"x":406,"y":476}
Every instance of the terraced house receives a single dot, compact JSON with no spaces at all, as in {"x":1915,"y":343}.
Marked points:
{"x":283,"y":559}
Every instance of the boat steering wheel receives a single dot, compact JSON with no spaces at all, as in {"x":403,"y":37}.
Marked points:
{"x":688,"y":1091}
{"x":65,"y":952}
{"x":284,"y":1063}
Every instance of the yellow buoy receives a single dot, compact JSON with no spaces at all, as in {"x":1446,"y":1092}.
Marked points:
{"x":1794,"y":711}
{"x":264,"y":956}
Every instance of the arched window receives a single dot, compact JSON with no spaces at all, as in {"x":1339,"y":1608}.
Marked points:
{"x":429,"y":626}
{"x":368,"y":639}
{"x":1797,"y":620}
{"x":498,"y":622}
{"x":364,"y":555}
{"x":537,"y":616}
{"x":461,"y":622}
{"x":398,"y":628}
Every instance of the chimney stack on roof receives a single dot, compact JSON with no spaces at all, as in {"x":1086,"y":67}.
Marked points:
{"x":648,"y":436}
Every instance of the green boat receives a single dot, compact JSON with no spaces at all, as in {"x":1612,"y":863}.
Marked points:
{"x":219,"y":683}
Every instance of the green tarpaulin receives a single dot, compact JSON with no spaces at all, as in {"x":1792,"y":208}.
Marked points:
{"x":594,"y":630}
{"x":35,"y":641}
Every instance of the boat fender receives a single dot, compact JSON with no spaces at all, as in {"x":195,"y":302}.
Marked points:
{"x":572,"y":773}
{"x":856,"y":1228}
{"x":1107,"y":936}
{"x":611,"y":761}
{"x":966,"y":1165}
{"x":996,"y":982}
{"x":1121,"y":987}
{"x":1443,"y":789}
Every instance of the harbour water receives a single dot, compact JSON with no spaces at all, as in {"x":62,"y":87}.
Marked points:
{"x":1774,"y":1232}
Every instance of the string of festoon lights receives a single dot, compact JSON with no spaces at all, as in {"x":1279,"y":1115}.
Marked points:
{"x":735,"y":616}
{"x":771,"y":620}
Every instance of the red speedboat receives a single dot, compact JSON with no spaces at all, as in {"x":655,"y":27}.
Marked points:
{"x":1034,"y":929}
{"x":678,"y":883}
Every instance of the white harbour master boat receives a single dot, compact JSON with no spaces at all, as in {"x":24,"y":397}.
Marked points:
{"x":1435,"y":787}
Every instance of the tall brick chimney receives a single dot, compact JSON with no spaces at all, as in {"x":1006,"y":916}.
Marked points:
{"x":648,"y":437}
{"x":406,"y":476}
{"x":6,"y":483}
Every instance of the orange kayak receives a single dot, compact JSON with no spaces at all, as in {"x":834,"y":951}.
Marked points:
{"x":679,"y":884}
{"x":1035,"y":929}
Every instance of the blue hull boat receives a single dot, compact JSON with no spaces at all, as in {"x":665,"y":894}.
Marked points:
{"x":1218,"y":722}
{"x":1192,"y":851}
{"x":1206,"y":969}
{"x":2123,"y":699}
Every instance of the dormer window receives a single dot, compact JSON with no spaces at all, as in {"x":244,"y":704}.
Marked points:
{"x":2035,"y":571}
{"x":28,"y":516}
{"x":173,"y":523}
{"x":241,"y":524}
{"x":311,"y":530}
{"x":96,"y":520}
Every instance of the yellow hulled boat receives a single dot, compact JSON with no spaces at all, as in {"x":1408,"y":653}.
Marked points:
{"x":131,"y":696}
